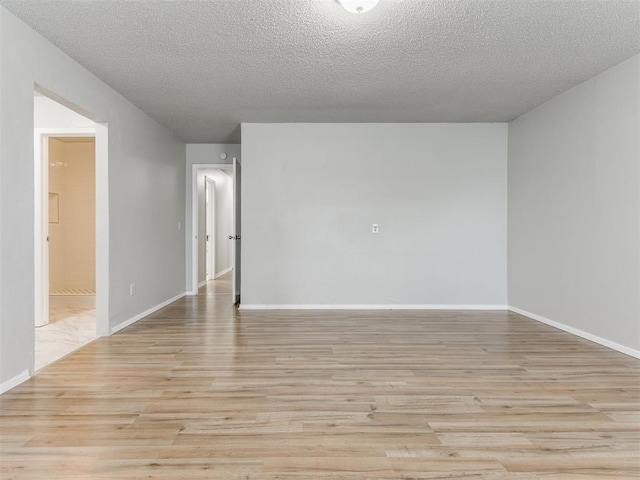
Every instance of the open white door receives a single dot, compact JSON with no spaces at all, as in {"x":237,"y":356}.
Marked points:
{"x":43,"y":207}
{"x":236,"y":230}
{"x":41,"y":258}
{"x":210,"y":207}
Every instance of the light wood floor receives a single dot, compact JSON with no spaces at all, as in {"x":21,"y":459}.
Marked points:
{"x":199,"y":391}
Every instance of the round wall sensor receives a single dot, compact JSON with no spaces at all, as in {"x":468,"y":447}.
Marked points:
{"x":223,"y":156}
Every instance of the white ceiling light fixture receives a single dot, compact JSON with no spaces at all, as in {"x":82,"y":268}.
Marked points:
{"x":358,"y":6}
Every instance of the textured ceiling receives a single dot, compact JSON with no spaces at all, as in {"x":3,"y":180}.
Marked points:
{"x":203,"y":67}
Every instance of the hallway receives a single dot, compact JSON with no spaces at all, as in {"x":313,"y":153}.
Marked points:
{"x":199,"y":390}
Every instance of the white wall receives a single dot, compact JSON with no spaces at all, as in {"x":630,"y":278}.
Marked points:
{"x":200,"y":154}
{"x":50,"y":114}
{"x":223,"y":221}
{"x":311,"y":193}
{"x":146,"y":191}
{"x":574,"y":207}
{"x":205,"y":153}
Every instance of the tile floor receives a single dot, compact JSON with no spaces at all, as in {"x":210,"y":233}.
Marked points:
{"x":72,"y":324}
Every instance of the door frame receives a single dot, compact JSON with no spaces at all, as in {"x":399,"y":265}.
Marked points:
{"x":192,"y":289}
{"x":237,"y":230}
{"x":41,"y":220}
{"x":210,"y":227}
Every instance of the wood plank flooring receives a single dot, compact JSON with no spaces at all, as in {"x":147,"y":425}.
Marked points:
{"x":200,"y":391}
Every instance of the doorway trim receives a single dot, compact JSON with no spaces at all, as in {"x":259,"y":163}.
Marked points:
{"x":41,"y":220}
{"x":193,"y":288}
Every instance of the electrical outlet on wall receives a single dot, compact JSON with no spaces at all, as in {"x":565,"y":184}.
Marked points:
{"x":375,"y":228}
{"x":132,"y":289}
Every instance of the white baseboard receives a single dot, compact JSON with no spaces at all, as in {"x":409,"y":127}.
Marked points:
{"x":370,"y":307}
{"x":202,"y":284}
{"x":223,"y":272}
{"x":580,"y":333}
{"x":14,"y":382}
{"x":140,"y":316}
